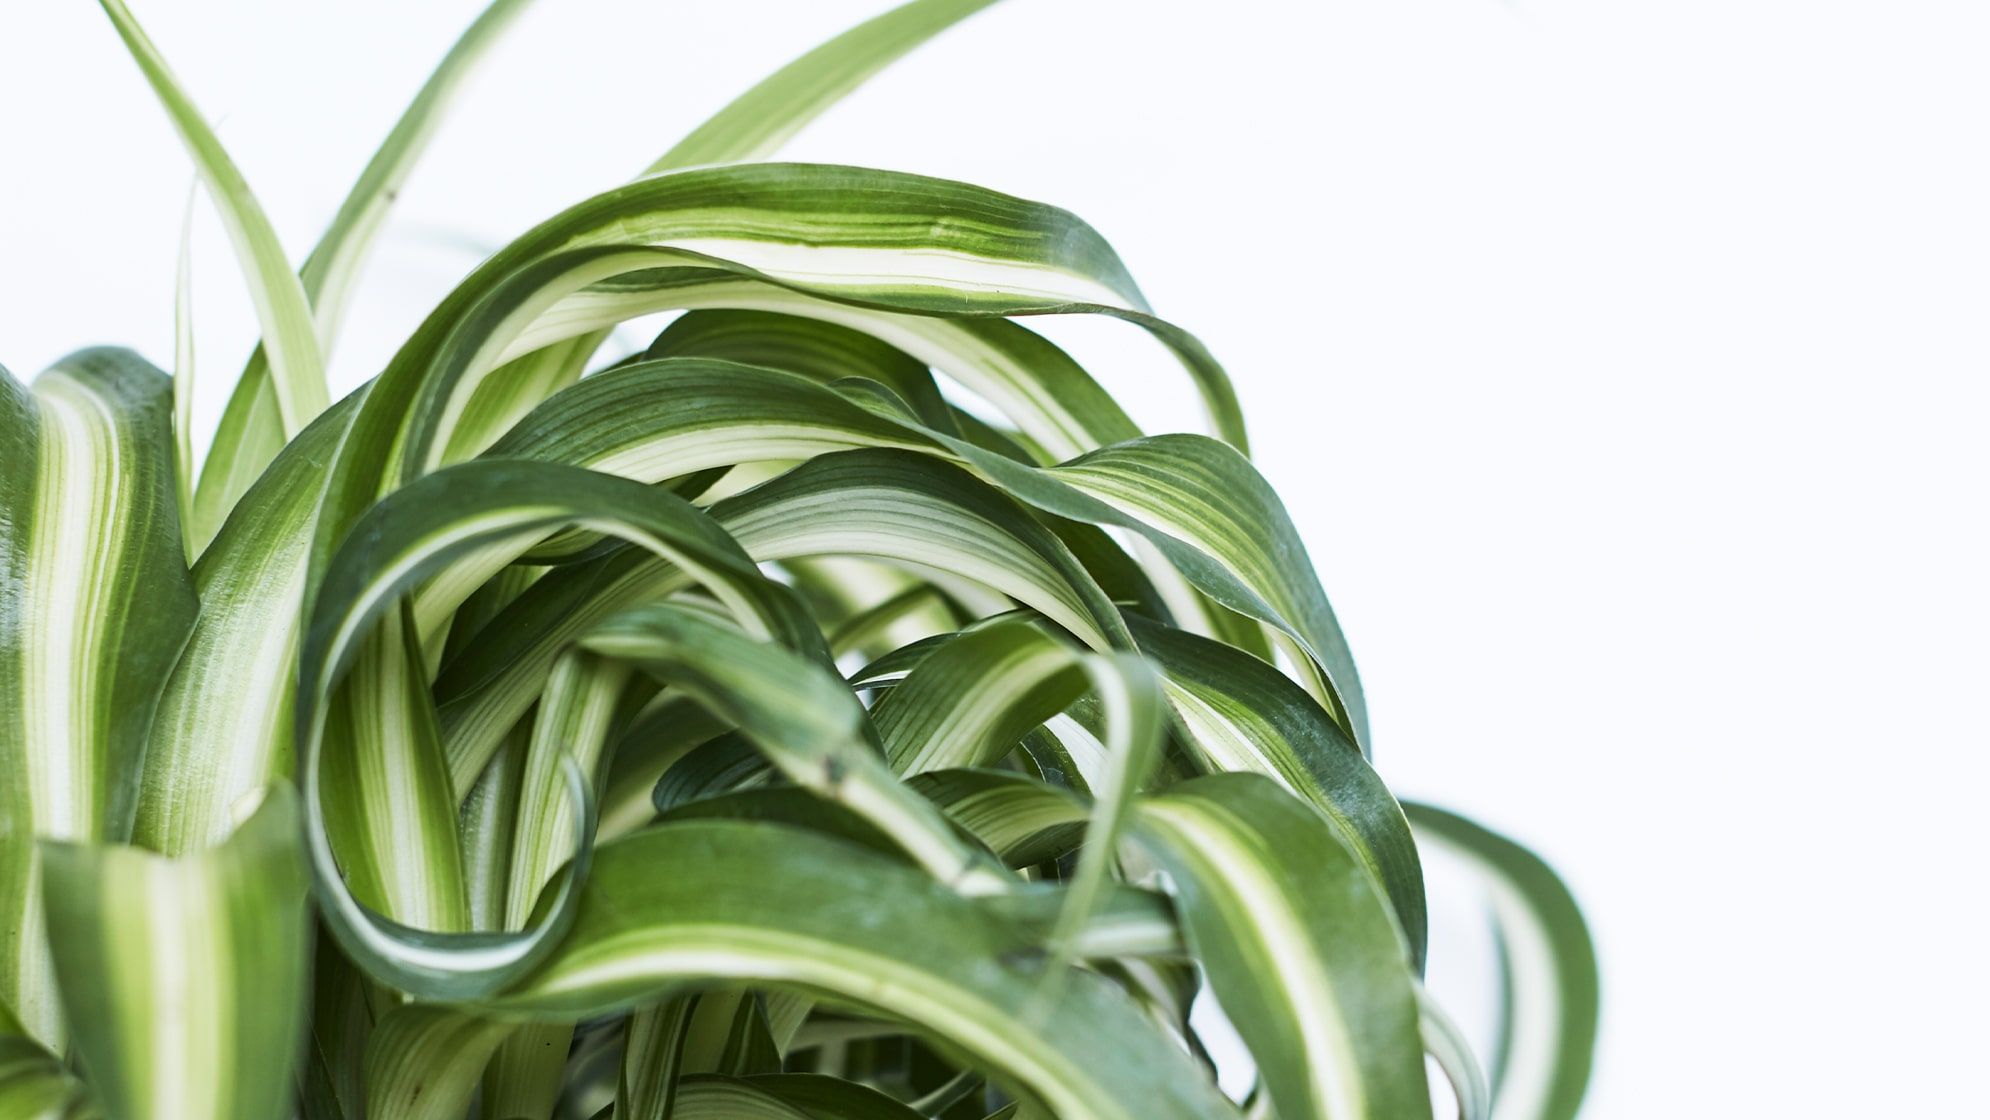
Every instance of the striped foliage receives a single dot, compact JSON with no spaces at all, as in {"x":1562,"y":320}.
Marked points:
{"x":744,"y":726}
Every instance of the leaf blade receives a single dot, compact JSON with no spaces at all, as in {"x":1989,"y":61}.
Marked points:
{"x":760,"y":120}
{"x":296,"y":362}
{"x":96,"y":603}
{"x":1543,"y":1065}
{"x":1300,"y":948}
{"x":187,"y":979}
{"x":814,"y":919}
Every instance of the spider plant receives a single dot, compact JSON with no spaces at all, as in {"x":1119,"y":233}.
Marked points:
{"x":739,"y":727}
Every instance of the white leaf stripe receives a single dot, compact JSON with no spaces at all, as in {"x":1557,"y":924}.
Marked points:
{"x":184,"y":471}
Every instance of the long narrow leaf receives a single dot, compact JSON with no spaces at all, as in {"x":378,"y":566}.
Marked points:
{"x":211,"y":747}
{"x":750,"y":902}
{"x":1541,"y":1069}
{"x":424,"y":1061}
{"x":186,"y":979}
{"x":183,"y":378}
{"x":1243,"y":714}
{"x":1300,"y":947}
{"x":252,"y":429}
{"x":296,"y":363}
{"x":96,"y":604}
{"x":758,"y":121}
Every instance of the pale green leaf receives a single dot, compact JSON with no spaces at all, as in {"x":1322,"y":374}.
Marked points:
{"x":186,"y":979}
{"x":758,"y":121}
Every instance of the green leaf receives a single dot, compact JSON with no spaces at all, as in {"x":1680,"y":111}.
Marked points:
{"x":252,"y":428}
{"x":183,"y":395}
{"x":296,"y":363}
{"x":449,"y":531}
{"x":784,"y":1095}
{"x":1542,"y":1067}
{"x":753,"y":904}
{"x":398,"y":818}
{"x":575,"y":720}
{"x":247,"y":439}
{"x":424,"y":1062}
{"x":35,"y":1086}
{"x":345,"y":1004}
{"x":652,"y":1060}
{"x":920,"y":512}
{"x":96,"y":605}
{"x":1048,"y":395}
{"x":760,"y":120}
{"x":210,"y":748}
{"x":819,"y":351}
{"x":329,"y":272}
{"x":1195,"y":500}
{"x":1134,"y":711}
{"x":905,"y":242}
{"x":1446,"y":1044}
{"x":559,"y":643}
{"x":522,"y":1081}
{"x":969,"y":702}
{"x":1299,"y":946}
{"x":186,"y":980}
{"x":1242,"y":714}
{"x":1023,"y":820}
{"x":799,"y":715}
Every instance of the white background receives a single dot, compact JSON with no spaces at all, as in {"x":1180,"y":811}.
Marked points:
{"x":1623,"y":364}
